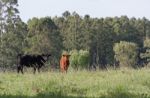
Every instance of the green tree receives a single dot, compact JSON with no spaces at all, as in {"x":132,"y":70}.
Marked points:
{"x":8,"y":14}
{"x":13,"y":32}
{"x":13,"y":43}
{"x":43,"y":38}
{"x":102,"y":39}
{"x":66,"y":14}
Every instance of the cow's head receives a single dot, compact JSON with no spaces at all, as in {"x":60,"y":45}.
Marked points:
{"x":46,"y":56}
{"x":66,"y":57}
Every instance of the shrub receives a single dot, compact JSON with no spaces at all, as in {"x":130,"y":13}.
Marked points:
{"x":79,"y":59}
{"x":83,"y":59}
{"x":126,"y":53}
{"x":74,"y":58}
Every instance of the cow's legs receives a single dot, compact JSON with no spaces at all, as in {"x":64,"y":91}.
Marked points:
{"x":34,"y":70}
{"x":62,"y":69}
{"x":39,"y":69}
{"x":65,"y":69}
{"x":20,"y":68}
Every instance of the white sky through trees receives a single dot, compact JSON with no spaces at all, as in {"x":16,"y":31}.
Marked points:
{"x":95,"y":8}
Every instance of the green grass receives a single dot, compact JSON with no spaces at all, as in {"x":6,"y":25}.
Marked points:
{"x":82,"y":84}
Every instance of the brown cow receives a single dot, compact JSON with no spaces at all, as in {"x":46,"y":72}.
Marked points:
{"x":64,"y":62}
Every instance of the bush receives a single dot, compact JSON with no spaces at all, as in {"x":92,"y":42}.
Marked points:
{"x":83,"y":59}
{"x":79,"y":59}
{"x":74,"y":59}
{"x":126,"y":53}
{"x":146,"y":54}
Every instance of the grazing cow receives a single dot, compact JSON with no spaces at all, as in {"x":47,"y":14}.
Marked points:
{"x":64,"y":62}
{"x":35,"y":61}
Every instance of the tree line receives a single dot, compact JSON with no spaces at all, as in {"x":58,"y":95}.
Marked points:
{"x":110,"y":41}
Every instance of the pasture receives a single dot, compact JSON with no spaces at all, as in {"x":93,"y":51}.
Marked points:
{"x":126,"y":83}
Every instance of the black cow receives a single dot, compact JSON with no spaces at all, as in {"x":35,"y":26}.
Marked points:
{"x":35,"y":61}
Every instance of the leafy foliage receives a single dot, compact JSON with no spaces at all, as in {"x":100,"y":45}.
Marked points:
{"x":126,"y":53}
{"x":74,"y":59}
{"x":69,"y":32}
{"x":43,"y":38}
{"x":79,"y":59}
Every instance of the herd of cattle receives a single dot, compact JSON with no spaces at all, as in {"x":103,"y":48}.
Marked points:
{"x":37,"y":61}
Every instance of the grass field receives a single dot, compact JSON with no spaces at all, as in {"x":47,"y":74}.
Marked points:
{"x":82,"y":84}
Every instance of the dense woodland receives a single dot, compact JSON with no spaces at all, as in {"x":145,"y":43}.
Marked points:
{"x":110,"y":41}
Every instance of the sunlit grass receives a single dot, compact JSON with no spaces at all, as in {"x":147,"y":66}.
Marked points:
{"x":100,"y":84}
